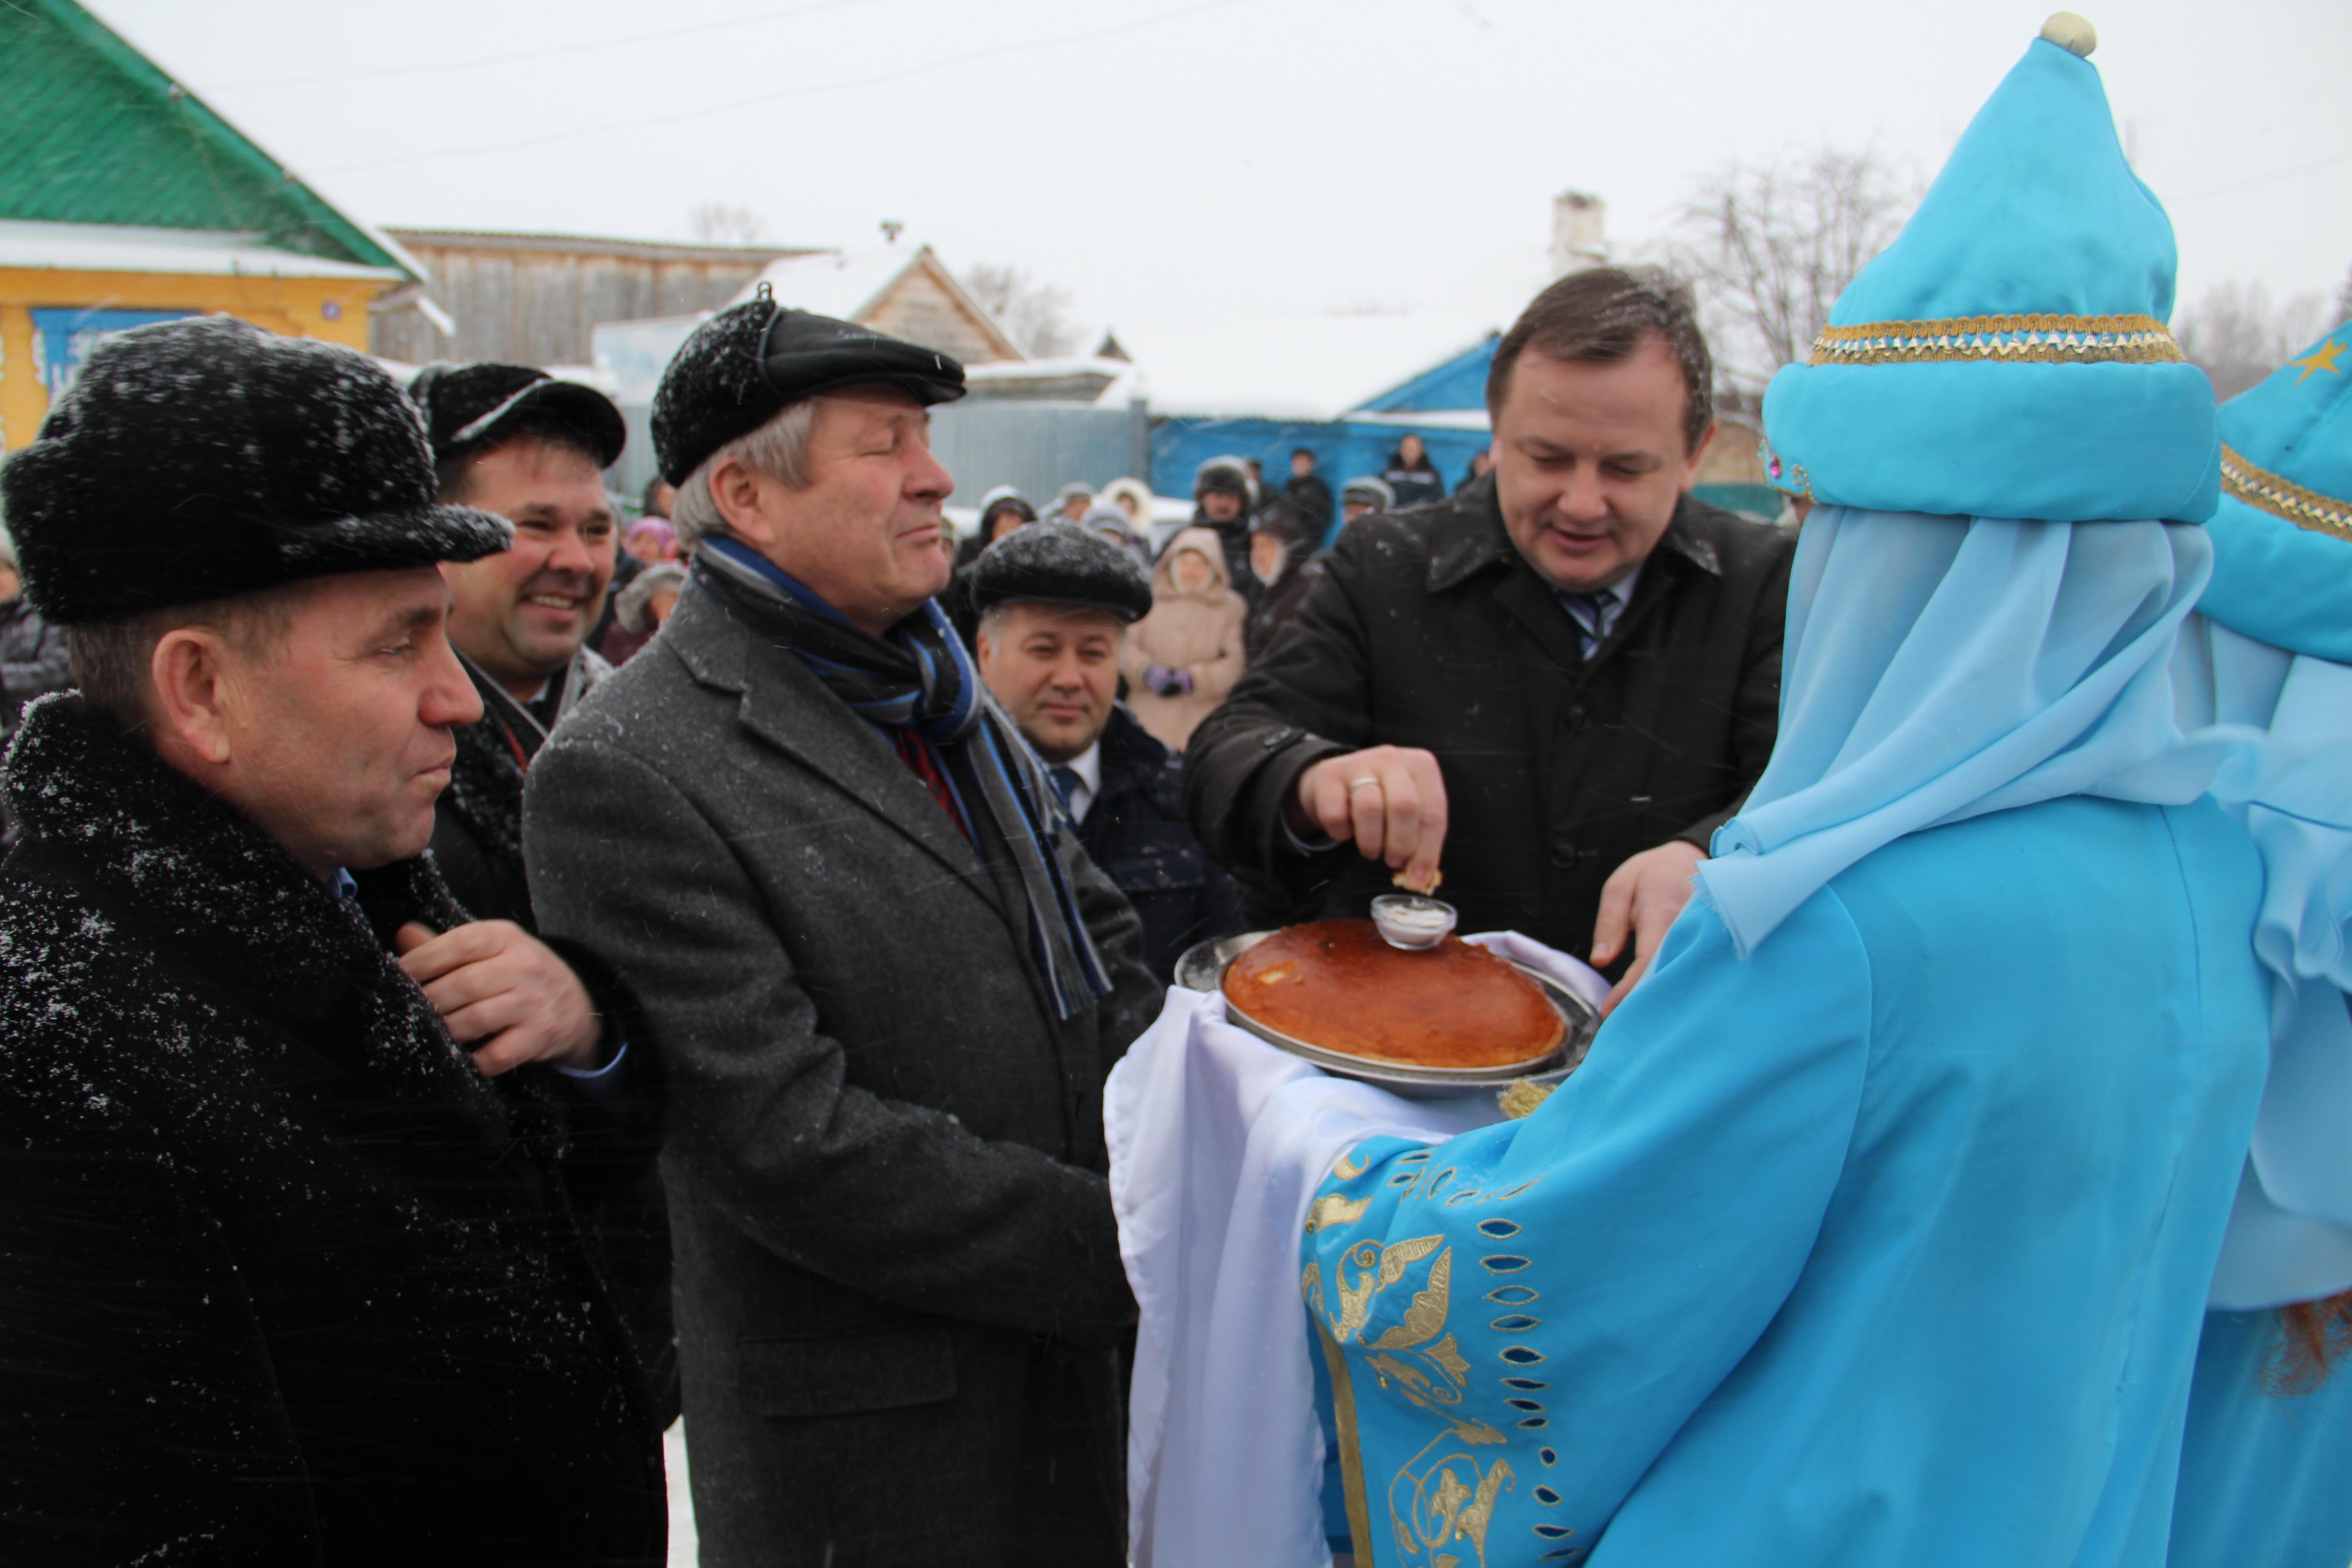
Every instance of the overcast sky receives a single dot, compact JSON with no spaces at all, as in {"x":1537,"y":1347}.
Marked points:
{"x":1177,"y":161}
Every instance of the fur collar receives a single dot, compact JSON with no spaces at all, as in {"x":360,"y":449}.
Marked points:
{"x":166,"y":867}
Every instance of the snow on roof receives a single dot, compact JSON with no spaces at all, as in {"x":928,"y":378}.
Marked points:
{"x":1046,"y":369}
{"x":1430,"y":420}
{"x":842,"y":284}
{"x":1299,"y":367}
{"x":123,"y":247}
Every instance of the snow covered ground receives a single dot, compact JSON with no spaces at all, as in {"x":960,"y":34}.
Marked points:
{"x":681,"y":1507}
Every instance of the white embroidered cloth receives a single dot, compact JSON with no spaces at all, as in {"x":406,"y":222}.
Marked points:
{"x":1217,"y":1143}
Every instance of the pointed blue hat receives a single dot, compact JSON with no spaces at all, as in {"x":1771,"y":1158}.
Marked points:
{"x":2282,"y":533}
{"x":2007,"y":356}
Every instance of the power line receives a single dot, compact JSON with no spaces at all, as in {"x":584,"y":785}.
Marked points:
{"x":884,"y":79}
{"x":524,"y":56}
{"x":2262,"y":179}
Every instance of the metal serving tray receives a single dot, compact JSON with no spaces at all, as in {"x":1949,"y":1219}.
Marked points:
{"x":1202,"y":968}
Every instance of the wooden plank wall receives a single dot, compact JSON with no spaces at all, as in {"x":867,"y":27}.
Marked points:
{"x":538,"y":306}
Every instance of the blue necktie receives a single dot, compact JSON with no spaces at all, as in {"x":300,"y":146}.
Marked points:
{"x":1585,"y":610}
{"x":1065,"y":784}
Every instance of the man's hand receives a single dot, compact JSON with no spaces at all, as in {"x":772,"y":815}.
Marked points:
{"x":497,"y":983}
{"x":1642,"y":896}
{"x":1391,"y":800}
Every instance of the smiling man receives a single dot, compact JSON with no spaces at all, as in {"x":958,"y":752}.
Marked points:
{"x":517,"y":442}
{"x":289,"y":1278}
{"x":884,"y":982}
{"x":1553,"y":687}
{"x":522,"y":444}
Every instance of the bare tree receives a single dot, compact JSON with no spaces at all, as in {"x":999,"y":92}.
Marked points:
{"x":1769,"y":247}
{"x":719,"y":223}
{"x":2344,"y":298}
{"x":2238,"y":336}
{"x":1037,"y":314}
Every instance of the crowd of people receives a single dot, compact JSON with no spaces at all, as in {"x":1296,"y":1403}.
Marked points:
{"x":481,"y":977}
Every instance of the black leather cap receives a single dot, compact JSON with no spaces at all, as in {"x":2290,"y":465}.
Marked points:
{"x":202,"y":458}
{"x":470,"y":407}
{"x":1061,"y":564}
{"x":743,"y":366}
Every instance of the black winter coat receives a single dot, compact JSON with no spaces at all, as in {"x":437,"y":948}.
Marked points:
{"x":477,"y":847}
{"x":1136,"y":832}
{"x":478,"y":821}
{"x":33,"y":660}
{"x":33,"y":663}
{"x":282,"y":1278}
{"x":1429,"y":629}
{"x":1312,"y":497}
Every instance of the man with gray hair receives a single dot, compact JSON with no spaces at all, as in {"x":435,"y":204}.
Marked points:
{"x":884,"y":979}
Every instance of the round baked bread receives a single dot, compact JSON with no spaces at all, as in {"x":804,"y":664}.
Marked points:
{"x":1335,"y":984}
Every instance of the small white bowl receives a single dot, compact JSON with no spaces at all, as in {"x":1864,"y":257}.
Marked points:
{"x":1411,"y":921}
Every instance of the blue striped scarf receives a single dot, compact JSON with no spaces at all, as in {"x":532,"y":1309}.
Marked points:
{"x":920,"y":679}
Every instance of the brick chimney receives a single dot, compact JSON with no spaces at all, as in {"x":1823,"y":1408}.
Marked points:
{"x":1579,"y":232}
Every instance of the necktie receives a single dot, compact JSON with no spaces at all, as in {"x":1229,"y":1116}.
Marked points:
{"x":1586,"y":611}
{"x":1066,"y":782}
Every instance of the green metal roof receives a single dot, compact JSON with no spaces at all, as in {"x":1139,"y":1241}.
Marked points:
{"x":91,"y":132}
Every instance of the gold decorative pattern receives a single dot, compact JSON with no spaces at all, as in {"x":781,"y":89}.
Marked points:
{"x":1520,"y":1096}
{"x":2322,"y":358}
{"x":2033,"y":339}
{"x":1426,"y":1319}
{"x":1331,"y":1209}
{"x":1381,"y":1267}
{"x":2281,"y":496}
{"x":1352,"y":1452}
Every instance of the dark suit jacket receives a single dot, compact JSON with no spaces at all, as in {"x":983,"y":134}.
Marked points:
{"x":1429,"y":629}
{"x":899,"y":1284}
{"x":1137,"y":833}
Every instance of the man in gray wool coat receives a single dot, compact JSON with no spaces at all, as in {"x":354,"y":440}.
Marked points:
{"x":884,"y":979}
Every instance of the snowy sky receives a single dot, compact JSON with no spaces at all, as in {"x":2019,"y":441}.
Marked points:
{"x":1177,"y":161}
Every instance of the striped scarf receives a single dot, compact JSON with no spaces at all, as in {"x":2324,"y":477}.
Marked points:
{"x":919,"y":679}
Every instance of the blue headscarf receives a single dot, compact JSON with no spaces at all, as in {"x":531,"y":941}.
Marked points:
{"x":1940,"y":667}
{"x":2269,"y":647}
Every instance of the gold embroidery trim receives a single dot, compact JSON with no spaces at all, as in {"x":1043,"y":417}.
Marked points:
{"x":2033,"y":339}
{"x":1521,"y":1096}
{"x":2281,"y":496}
{"x":1351,"y":1453}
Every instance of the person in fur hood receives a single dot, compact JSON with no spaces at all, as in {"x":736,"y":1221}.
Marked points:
{"x":287,"y":1152}
{"x":1182,"y":657}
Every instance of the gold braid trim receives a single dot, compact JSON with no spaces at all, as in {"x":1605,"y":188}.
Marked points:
{"x":2037,"y":339}
{"x":2281,"y":496}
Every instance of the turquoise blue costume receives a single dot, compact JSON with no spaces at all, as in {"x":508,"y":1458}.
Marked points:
{"x":2266,"y":1464}
{"x":1878,"y":1223}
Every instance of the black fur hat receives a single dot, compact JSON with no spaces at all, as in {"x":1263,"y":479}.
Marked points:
{"x":740,"y":369}
{"x":1223,"y":474}
{"x":471,"y":407}
{"x":1061,"y":564}
{"x":202,"y":458}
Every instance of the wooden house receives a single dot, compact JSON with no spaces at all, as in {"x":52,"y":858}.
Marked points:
{"x":538,"y":299}
{"x":125,"y":199}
